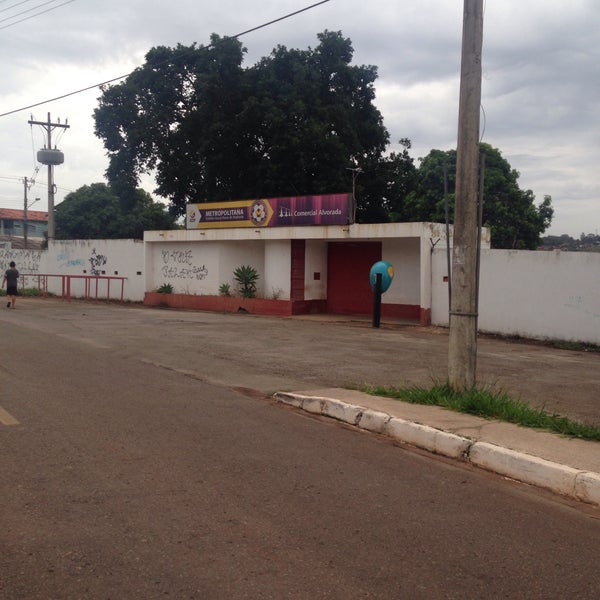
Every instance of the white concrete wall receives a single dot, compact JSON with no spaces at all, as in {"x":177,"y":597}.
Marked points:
{"x":202,"y":267}
{"x":315,"y":255}
{"x":546,"y":295}
{"x":404,"y":256}
{"x":122,"y":258}
{"x":27,"y":261}
{"x":190,"y":269}
{"x":235,"y":254}
{"x":277,"y":266}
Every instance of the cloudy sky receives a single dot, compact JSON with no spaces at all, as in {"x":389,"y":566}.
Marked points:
{"x":540,"y":97}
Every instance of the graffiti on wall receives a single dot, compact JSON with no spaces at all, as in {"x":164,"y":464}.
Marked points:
{"x":65,"y":261}
{"x":179,"y":264}
{"x":28,"y":261}
{"x":97,"y":261}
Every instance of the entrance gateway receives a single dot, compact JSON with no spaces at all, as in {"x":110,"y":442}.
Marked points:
{"x":310,"y":266}
{"x":348,"y":267}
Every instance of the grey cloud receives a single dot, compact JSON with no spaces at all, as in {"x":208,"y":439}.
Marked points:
{"x":541,"y":87}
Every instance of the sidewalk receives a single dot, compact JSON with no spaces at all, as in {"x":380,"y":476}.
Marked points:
{"x":565,"y":466}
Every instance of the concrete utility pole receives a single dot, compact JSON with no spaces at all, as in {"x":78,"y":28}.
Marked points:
{"x":50,"y":158}
{"x":462,"y":350}
{"x":25,"y":188}
{"x":27,"y":183}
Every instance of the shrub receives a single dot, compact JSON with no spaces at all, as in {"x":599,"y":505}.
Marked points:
{"x":246,"y":277}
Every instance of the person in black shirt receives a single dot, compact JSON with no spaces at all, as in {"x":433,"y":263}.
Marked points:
{"x":11,"y":277}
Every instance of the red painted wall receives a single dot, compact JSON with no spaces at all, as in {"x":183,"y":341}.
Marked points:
{"x":348,"y":268}
{"x":298,"y":270}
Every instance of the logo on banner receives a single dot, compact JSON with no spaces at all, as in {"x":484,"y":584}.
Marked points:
{"x":258,"y":212}
{"x":285,"y":212}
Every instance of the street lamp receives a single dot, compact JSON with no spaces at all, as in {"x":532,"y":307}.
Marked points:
{"x":355,"y":173}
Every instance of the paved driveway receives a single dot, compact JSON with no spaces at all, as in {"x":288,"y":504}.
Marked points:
{"x":268,"y":354}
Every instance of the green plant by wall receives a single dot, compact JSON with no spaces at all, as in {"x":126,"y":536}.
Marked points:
{"x":165,"y":288}
{"x":246,"y":277}
{"x":224,"y":289}
{"x":30,"y":292}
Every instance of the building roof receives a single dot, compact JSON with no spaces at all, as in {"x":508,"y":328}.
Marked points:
{"x":17,"y":215}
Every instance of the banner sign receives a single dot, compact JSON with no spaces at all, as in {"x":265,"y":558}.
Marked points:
{"x":330,"y":209}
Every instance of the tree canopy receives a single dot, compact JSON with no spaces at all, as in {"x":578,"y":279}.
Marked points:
{"x":510,"y":212}
{"x":95,"y":212}
{"x":383,"y":185}
{"x":298,"y":122}
{"x":587,"y":242}
{"x":290,"y":125}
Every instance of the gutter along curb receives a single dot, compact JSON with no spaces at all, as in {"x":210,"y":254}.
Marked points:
{"x":562,"y":479}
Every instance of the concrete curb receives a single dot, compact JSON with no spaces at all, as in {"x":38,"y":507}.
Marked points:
{"x":561,"y":479}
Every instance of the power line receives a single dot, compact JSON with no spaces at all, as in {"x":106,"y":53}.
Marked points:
{"x":30,"y":10}
{"x":38,"y":182}
{"x":14,"y":5}
{"x":36,"y":15}
{"x":91,"y":87}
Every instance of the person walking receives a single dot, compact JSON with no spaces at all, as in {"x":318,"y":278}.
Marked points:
{"x":11,"y":277}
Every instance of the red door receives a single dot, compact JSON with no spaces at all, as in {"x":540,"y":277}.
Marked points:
{"x":348,"y":268}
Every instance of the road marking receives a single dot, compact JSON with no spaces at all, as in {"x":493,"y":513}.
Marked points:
{"x":6,"y":418}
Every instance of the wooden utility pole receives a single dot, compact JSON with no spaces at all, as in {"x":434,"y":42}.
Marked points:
{"x":462,"y":350}
{"x":48,"y":126}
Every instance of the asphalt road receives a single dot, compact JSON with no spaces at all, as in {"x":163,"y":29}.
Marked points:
{"x":149,"y":462}
{"x":276,"y":354}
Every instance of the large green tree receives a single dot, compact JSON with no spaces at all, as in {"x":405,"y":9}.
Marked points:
{"x":95,"y":212}
{"x":211,"y":130}
{"x":383,"y":185}
{"x":511,"y":214}
{"x":175,"y":114}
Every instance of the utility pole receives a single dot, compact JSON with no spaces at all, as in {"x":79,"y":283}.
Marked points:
{"x":27,"y":183}
{"x":25,"y":188}
{"x":462,"y":349}
{"x":50,"y":158}
{"x":356,"y":171}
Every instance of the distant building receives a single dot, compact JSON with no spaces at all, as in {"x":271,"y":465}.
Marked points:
{"x":12,"y":222}
{"x":12,"y":226}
